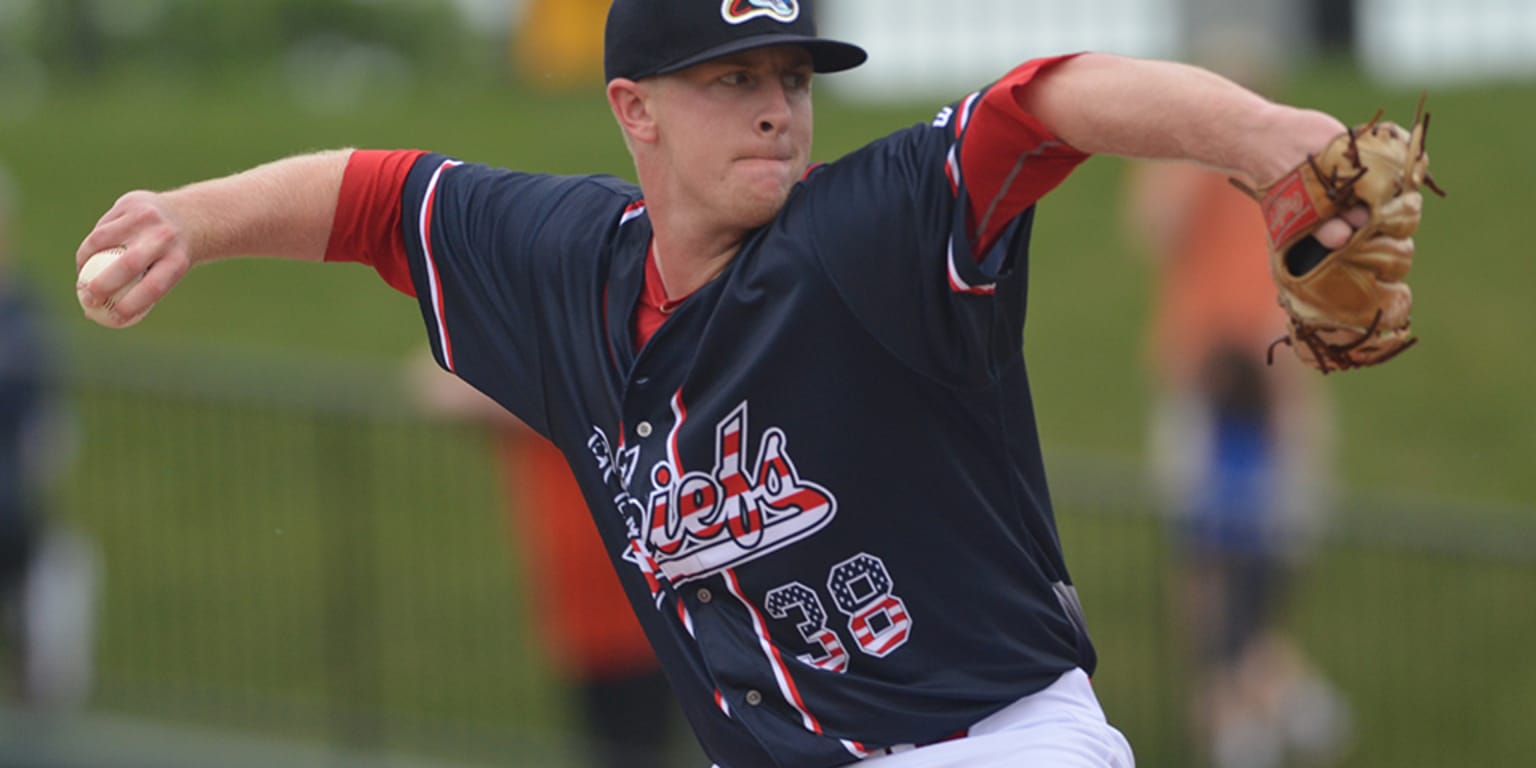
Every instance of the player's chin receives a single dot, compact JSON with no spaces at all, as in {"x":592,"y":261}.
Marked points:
{"x":758,"y":211}
{"x":759,"y":203}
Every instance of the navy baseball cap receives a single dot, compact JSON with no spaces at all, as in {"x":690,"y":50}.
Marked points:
{"x":655,"y":37}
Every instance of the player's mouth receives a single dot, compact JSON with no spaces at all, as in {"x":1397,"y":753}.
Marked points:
{"x":774,"y":165}
{"x":767,"y":158}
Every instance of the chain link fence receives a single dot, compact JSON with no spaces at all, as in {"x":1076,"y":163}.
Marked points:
{"x":290,"y":561}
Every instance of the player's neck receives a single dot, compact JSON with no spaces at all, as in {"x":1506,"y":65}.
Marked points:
{"x":689,"y":257}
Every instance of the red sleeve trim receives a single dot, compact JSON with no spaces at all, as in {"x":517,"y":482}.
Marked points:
{"x":367,"y":227}
{"x":1009,"y":159}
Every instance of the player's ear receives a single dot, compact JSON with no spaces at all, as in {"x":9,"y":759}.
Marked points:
{"x":631,"y":105}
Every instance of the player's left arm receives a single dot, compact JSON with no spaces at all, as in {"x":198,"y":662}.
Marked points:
{"x":1023,"y":135}
{"x":1100,"y":103}
{"x":1107,"y":104}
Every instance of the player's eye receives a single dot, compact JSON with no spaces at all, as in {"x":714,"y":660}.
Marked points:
{"x":797,"y":81}
{"x":736,"y":78}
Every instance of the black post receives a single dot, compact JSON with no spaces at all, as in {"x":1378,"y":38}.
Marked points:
{"x":1333,"y":26}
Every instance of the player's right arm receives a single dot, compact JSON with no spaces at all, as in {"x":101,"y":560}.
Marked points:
{"x":489,"y":254}
{"x":282,"y":209}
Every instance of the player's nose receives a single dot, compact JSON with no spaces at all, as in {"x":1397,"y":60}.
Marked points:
{"x":775,"y":112}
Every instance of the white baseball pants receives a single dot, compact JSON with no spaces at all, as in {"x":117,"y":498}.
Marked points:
{"x":1062,"y":726}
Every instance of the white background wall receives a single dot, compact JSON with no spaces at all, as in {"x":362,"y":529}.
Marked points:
{"x":942,"y":48}
{"x":1441,"y":41}
{"x":945,"y":47}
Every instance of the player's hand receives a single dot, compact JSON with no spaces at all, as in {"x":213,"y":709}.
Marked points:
{"x":158,"y":256}
{"x":1334,"y":233}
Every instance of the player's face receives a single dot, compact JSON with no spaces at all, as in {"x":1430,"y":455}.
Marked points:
{"x":736,"y":132}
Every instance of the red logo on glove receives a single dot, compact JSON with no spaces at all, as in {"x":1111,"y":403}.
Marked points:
{"x":1288,"y":211}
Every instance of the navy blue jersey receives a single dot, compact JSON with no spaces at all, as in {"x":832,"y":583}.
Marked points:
{"x":820,"y":478}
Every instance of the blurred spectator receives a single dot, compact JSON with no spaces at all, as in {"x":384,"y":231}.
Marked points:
{"x":47,"y":574}
{"x":559,"y":43}
{"x":1240,"y":451}
{"x":628,"y":714}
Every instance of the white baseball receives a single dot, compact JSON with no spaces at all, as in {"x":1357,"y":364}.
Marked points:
{"x":93,"y":267}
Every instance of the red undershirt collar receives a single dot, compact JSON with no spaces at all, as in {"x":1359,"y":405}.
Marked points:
{"x":655,"y":294}
{"x":654,"y":307}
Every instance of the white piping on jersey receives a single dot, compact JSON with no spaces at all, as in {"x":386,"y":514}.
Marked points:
{"x":958,"y":284}
{"x":967,"y":108}
{"x":633,"y":212}
{"x":683,"y":615}
{"x":679,"y":415}
{"x":856,"y":749}
{"x":952,"y":162}
{"x":787,"y":687}
{"x":952,"y":168}
{"x":859,"y":750}
{"x":434,"y":284}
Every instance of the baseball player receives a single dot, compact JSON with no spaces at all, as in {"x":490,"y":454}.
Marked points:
{"x":794,"y":396}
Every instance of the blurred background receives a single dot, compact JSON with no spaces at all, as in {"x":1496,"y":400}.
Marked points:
{"x":236,"y":535}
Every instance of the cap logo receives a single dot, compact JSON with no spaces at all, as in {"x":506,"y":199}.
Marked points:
{"x":743,"y":11}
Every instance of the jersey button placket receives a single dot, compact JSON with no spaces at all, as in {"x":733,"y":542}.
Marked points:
{"x":754,"y":698}
{"x":643,"y":429}
{"x":704,"y":595}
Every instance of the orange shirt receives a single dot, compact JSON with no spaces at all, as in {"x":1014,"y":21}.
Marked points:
{"x":1214,"y":286}
{"x":583,"y":618}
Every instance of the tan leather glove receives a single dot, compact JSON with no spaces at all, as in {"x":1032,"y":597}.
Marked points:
{"x":1349,"y":308}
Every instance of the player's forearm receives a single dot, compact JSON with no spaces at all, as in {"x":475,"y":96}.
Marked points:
{"x":281,"y":209}
{"x":1107,"y":104}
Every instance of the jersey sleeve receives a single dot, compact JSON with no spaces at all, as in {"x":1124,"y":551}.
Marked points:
{"x":490,"y":255}
{"x":367,"y":228}
{"x":926,"y":232}
{"x":1007,"y":159}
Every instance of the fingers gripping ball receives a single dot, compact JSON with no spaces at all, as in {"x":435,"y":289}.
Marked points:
{"x":92,"y":268}
{"x":1350,"y":308}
